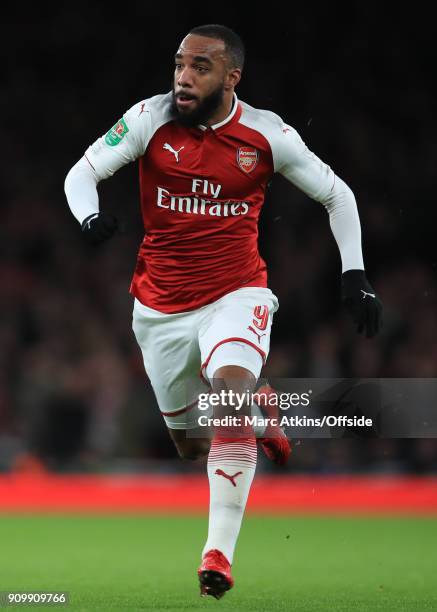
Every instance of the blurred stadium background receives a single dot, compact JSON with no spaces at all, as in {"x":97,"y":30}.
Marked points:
{"x":73,"y":394}
{"x":79,"y":429}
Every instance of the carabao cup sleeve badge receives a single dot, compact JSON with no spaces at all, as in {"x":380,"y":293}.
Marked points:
{"x":116,"y":133}
{"x":247,"y":158}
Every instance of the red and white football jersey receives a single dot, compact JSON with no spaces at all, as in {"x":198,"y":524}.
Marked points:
{"x":202,"y":190}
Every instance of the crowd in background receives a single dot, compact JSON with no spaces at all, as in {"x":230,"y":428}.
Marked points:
{"x":73,"y":392}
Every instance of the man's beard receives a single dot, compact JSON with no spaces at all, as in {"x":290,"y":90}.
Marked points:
{"x":204,"y":111}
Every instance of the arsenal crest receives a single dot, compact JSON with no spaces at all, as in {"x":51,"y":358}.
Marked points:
{"x":247,"y":158}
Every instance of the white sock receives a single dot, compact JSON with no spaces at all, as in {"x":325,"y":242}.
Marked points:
{"x":231,"y":468}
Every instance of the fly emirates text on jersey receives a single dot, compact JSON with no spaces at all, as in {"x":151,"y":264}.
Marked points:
{"x":197,"y":205}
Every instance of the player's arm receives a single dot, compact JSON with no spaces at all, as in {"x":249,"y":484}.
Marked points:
{"x":122,"y":144}
{"x":315,"y":178}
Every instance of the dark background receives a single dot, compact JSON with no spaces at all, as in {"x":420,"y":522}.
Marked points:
{"x":356,"y":84}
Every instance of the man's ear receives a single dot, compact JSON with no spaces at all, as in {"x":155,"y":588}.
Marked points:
{"x":232,"y":78}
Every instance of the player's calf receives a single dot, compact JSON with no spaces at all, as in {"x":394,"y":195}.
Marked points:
{"x":189,"y":448}
{"x":231,"y":468}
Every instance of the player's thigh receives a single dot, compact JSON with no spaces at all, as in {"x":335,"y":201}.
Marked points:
{"x":172,"y":360}
{"x":238,"y":331}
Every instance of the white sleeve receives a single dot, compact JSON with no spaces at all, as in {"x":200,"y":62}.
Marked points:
{"x":81,"y":190}
{"x":123,"y":143}
{"x":315,"y":178}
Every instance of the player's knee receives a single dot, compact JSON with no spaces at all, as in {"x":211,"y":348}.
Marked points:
{"x":233,"y":374}
{"x":235,"y":378}
{"x":193,"y":449}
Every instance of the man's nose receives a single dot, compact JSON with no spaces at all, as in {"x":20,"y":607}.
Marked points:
{"x":185,"y":78}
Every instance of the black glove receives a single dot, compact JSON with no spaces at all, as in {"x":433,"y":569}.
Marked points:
{"x":362,"y":302}
{"x":99,"y":227}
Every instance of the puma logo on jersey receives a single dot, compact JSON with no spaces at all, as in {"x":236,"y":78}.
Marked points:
{"x":285,"y":130}
{"x":228,"y":477}
{"x":168,"y":147}
{"x":259,"y":336}
{"x":365,"y":293}
{"x":142,"y":109}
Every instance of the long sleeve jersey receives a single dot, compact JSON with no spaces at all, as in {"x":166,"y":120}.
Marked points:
{"x":202,"y":190}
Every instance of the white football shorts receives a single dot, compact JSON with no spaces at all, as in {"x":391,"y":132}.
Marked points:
{"x":182,"y":351}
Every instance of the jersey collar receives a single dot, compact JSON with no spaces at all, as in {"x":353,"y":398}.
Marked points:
{"x":234,"y":115}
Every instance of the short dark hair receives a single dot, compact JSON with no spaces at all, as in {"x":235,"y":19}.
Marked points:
{"x":234,"y":46}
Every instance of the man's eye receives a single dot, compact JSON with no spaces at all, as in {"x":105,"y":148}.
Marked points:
{"x":201,"y":69}
{"x":178,"y":66}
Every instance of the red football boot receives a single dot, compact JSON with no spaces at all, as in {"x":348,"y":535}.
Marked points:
{"x":215,"y":574}
{"x":274,"y":443}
